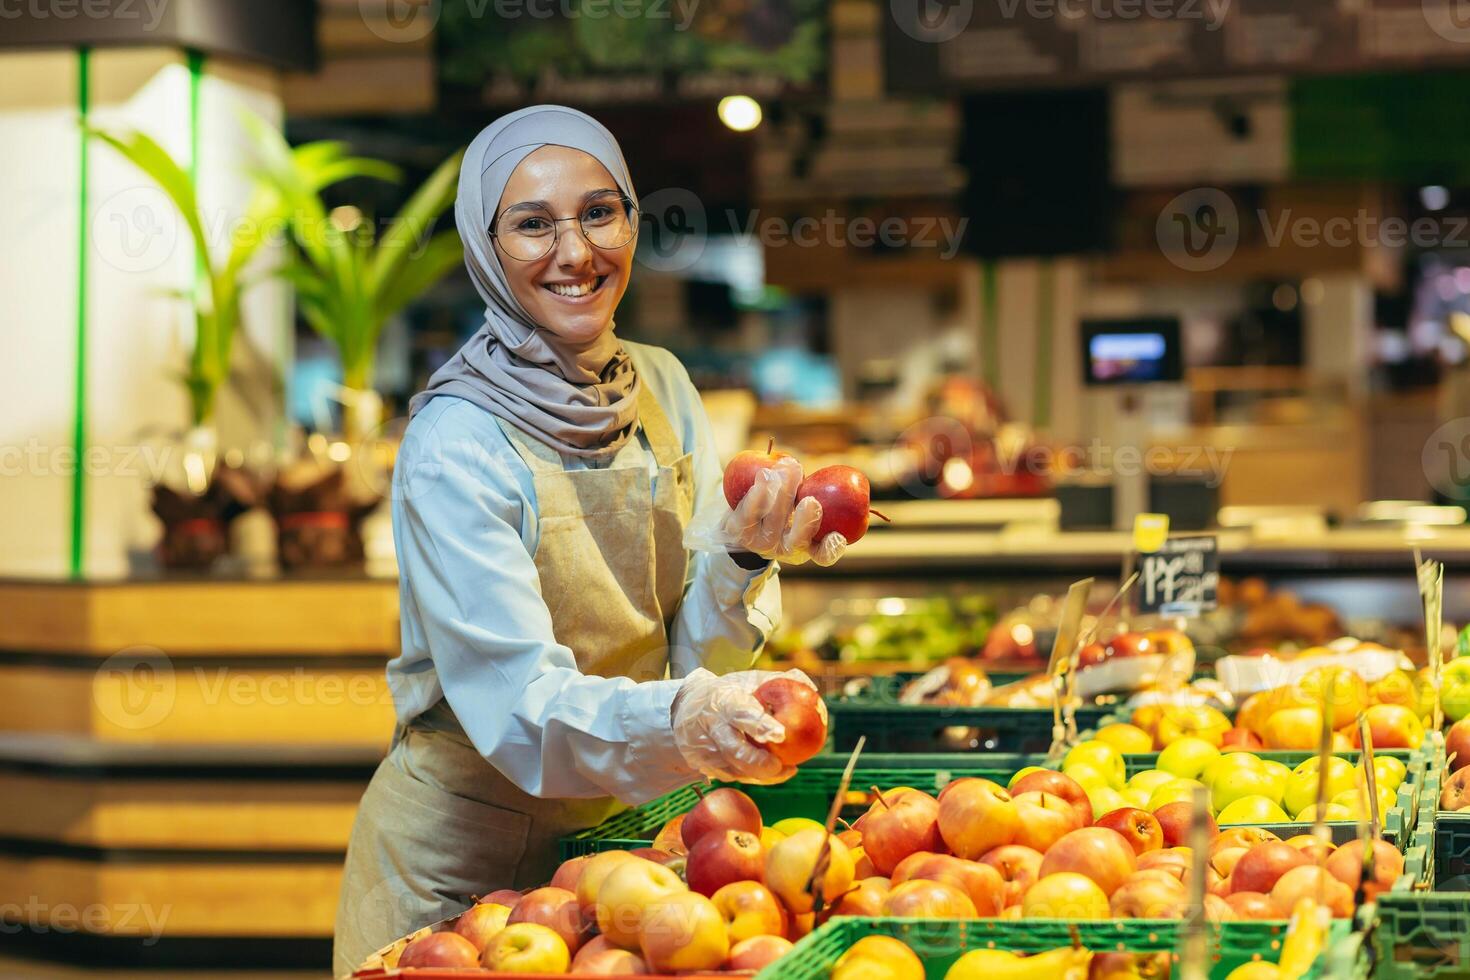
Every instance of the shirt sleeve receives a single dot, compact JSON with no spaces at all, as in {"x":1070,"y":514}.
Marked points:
{"x":728,"y":613}
{"x":528,"y":710}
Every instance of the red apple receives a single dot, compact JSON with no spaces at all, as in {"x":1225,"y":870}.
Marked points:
{"x":568,"y":872}
{"x":721,"y":809}
{"x":1044,"y":820}
{"x":440,"y":949}
{"x":1149,"y":895}
{"x":1346,"y":865}
{"x":865,"y":899}
{"x":1091,"y":655}
{"x":1317,"y":851}
{"x":1246,"y":837}
{"x":894,"y":830}
{"x":798,"y":707}
{"x":503,"y":896}
{"x":1242,"y":738}
{"x":1262,"y":866}
{"x":1174,"y":821}
{"x":1251,"y":905}
{"x":981,"y":882}
{"x":1456,"y":792}
{"x":1130,"y":645}
{"x":670,"y":836}
{"x":1457,"y":745}
{"x":740,"y":472}
{"x":1057,"y":784}
{"x":976,"y":815}
{"x":1094,"y":852}
{"x":1176,"y":860}
{"x":921,"y":898}
{"x":555,"y":908}
{"x":843,"y":493}
{"x":1139,"y":828}
{"x":611,"y":962}
{"x":480,"y":922}
{"x":749,"y":908}
{"x":1310,"y":881}
{"x":1019,"y":867}
{"x":758,"y":952}
{"x":720,"y":858}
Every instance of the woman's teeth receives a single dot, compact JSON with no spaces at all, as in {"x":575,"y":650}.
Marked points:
{"x":574,"y":288}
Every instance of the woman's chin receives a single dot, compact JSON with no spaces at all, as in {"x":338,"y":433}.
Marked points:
{"x":578,"y":329}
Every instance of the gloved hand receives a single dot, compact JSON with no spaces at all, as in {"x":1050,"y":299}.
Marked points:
{"x":771,"y":523}
{"x":712,"y":717}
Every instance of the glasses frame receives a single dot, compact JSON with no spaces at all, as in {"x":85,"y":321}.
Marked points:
{"x":628,"y":206}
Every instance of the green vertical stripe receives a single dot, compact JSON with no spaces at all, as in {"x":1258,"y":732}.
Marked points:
{"x":79,"y":410}
{"x":196,"y":76}
{"x":990,"y":326}
{"x":1041,"y":387}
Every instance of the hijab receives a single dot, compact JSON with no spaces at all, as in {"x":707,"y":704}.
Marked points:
{"x":581,"y":399}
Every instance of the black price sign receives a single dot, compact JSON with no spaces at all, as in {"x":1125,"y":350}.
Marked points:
{"x":1180,"y":578}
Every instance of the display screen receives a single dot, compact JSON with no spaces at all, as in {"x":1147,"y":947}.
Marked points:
{"x":1137,"y":352}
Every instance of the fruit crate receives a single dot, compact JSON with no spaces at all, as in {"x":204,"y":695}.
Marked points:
{"x":939,"y":942}
{"x":893,"y":727}
{"x":1421,"y":936}
{"x":809,"y":794}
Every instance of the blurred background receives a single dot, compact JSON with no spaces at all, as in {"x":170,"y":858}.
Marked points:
{"x":1033,"y":267}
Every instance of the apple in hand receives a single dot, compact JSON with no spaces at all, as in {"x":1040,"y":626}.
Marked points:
{"x":683,"y":931}
{"x":526,"y":947}
{"x":1139,"y":828}
{"x":750,"y":909}
{"x":1095,"y":852}
{"x":758,"y":952}
{"x":1262,"y":866}
{"x":1057,"y":784}
{"x":741,"y":471}
{"x":1043,"y":820}
{"x":720,"y":858}
{"x":844,"y":494}
{"x":798,"y":707}
{"x":721,"y":809}
{"x":892,"y":830}
{"x":1346,"y":865}
{"x":976,"y":816}
{"x":1174,"y":820}
{"x":627,"y":894}
{"x":980,"y":882}
{"x":1018,"y":866}
{"x":442,"y":949}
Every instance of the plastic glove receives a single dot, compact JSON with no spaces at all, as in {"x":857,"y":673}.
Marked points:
{"x":770,"y":522}
{"x":712,"y":717}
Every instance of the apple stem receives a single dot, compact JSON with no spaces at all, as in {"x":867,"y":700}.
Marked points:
{"x":770,"y":445}
{"x":1076,"y":936}
{"x":698,"y":790}
{"x":878,"y":513}
{"x":879,"y":793}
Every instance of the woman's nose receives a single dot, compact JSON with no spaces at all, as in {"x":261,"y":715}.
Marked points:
{"x":572,"y":249}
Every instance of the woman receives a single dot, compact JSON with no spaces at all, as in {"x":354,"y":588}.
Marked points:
{"x":561,"y":650}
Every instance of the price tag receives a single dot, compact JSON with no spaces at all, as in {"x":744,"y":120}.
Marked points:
{"x":1180,"y":578}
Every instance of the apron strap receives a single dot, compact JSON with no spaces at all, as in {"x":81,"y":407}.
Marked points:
{"x":662,"y":440}
{"x":537,"y":455}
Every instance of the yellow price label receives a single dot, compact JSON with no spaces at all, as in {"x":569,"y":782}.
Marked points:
{"x":1149,"y":532}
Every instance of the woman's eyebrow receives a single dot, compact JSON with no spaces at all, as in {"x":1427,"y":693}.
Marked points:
{"x":528,"y":206}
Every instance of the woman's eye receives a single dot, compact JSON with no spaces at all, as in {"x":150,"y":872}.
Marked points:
{"x":598,"y":212}
{"x":532,"y":225}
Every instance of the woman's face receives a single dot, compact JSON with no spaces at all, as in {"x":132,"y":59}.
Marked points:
{"x":574,"y":288}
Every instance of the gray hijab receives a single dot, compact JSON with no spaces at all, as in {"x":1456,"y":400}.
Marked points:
{"x":579,"y":399}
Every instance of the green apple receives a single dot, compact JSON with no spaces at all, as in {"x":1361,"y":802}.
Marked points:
{"x":1087,"y":777}
{"x":1334,"y":811}
{"x":1022,"y":774}
{"x":1354,"y":798}
{"x":1239,"y":783}
{"x":1105,"y":799}
{"x":1175,"y":792}
{"x":1100,"y":756}
{"x":1150,"y":779}
{"x":1251,"y":810}
{"x":1187,"y":757}
{"x":1301,"y":786}
{"x":1136,"y":796}
{"x":1454,"y":688}
{"x":1389,"y":771}
{"x":1279,"y":773}
{"x":1230,"y":762}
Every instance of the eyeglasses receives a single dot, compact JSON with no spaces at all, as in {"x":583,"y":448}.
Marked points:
{"x":527,"y":232}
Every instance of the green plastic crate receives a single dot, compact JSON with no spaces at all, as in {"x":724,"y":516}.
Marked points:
{"x":1421,"y":936}
{"x":893,"y":727}
{"x":940,"y":943}
{"x":809,"y":794}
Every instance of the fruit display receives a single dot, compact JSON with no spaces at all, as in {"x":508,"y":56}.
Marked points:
{"x":913,"y":632}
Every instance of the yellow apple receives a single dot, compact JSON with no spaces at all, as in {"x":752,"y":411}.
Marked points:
{"x":1126,"y":738}
{"x":1252,"y":810}
{"x":1180,"y":790}
{"x":527,"y":947}
{"x":1187,"y":757}
{"x":1294,"y":728}
{"x":790,"y":864}
{"x":1151,"y":779}
{"x":791,"y":825}
{"x":1334,"y":811}
{"x":878,"y":958}
{"x":1196,"y":720}
{"x":625,"y":895}
{"x":1100,"y":756}
{"x":684,"y":931}
{"x":1105,"y":799}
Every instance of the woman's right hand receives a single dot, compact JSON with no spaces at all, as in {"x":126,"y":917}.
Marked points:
{"x":770,"y":522}
{"x":720,"y":728}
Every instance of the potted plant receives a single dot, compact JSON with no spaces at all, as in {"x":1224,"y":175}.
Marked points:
{"x":349,"y":282}
{"x":196,"y":516}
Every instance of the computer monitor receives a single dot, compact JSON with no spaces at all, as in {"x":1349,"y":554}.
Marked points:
{"x":1131,"y":351}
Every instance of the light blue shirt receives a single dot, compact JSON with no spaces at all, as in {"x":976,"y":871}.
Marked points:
{"x":477,"y":631}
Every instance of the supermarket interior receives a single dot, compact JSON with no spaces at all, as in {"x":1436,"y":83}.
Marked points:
{"x":1016,"y":524}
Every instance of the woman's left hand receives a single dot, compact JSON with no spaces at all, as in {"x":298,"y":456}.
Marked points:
{"x":769,"y":521}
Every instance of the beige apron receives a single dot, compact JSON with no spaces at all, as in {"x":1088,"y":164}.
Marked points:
{"x":438,"y":824}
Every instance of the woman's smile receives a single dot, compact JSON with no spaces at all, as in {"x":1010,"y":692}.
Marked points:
{"x":576,"y":290}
